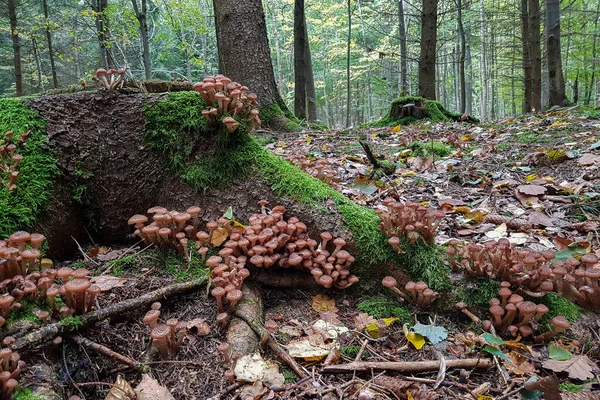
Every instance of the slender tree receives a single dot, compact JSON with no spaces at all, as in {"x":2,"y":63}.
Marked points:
{"x":403,"y":81}
{"x":348,"y":43}
{"x":555,"y":74}
{"x":103,"y":33}
{"x":141,"y":13}
{"x":309,"y":77}
{"x":461,"y":56}
{"x":49,"y":40}
{"x":16,"y":43}
{"x":299,"y":61}
{"x":428,"y":49}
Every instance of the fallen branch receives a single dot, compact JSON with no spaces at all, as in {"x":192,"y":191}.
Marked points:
{"x":98,"y":348}
{"x":405,"y":366}
{"x":50,"y":331}
{"x":273,"y":345}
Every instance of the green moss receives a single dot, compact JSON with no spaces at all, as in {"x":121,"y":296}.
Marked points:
{"x":37,"y":171}
{"x":425,"y":149}
{"x":352,"y":351}
{"x":477,"y":292}
{"x":427,"y":262}
{"x":22,"y":393}
{"x":272,"y":114}
{"x":381,"y":307}
{"x":558,"y":305}
{"x":434,"y":111}
{"x":25,"y":313}
{"x":570,"y":387}
{"x":176,"y":266}
{"x":72,"y":323}
{"x":289,"y":376}
{"x":118,"y":266}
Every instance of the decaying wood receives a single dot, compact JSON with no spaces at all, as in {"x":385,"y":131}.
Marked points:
{"x":405,"y":366}
{"x":87,"y":343}
{"x":50,"y":331}
{"x":241,"y":338}
{"x":285,"y":280}
{"x":273,"y":345}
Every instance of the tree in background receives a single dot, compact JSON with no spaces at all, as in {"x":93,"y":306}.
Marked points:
{"x":299,"y":61}
{"x":532,"y":55}
{"x":16,"y":44}
{"x":427,"y":83}
{"x":141,"y":13}
{"x":556,"y":78}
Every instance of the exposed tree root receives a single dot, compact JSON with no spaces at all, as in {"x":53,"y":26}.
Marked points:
{"x":405,"y":366}
{"x":240,"y":336}
{"x":50,"y":331}
{"x":44,"y":384}
{"x":273,"y":345}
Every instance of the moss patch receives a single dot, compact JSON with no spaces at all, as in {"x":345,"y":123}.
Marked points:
{"x":477,"y":292}
{"x":426,"y":149}
{"x":279,"y":116}
{"x":381,"y":307}
{"x":433,"y":111}
{"x":37,"y":171}
{"x":558,"y":305}
{"x":21,"y":393}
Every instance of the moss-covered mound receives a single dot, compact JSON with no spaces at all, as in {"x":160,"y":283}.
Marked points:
{"x":37,"y":172}
{"x":406,"y":110}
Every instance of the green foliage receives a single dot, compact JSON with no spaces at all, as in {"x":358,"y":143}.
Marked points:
{"x":289,"y":376}
{"x":352,"y":351}
{"x":381,"y":307}
{"x":570,"y":387}
{"x":117,"y":266}
{"x":22,"y":393}
{"x":558,"y":305}
{"x":25,"y":313}
{"x":477,"y":292}
{"x":434,"y":111}
{"x":37,"y":171}
{"x":270,"y":114}
{"x":425,"y":149}
{"x":72,"y":323}
{"x":174,"y":264}
{"x":427,"y":262}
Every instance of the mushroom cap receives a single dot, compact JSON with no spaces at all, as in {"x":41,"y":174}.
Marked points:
{"x":193,"y":211}
{"x":182,"y":217}
{"x":420,"y":286}
{"x":410,"y":286}
{"x":222,"y":317}
{"x":81,"y":273}
{"x":497,"y":310}
{"x":229,"y":121}
{"x":64,"y":272}
{"x":527,"y":307}
{"x":223,"y":347}
{"x":339,"y":242}
{"x":461,"y":305}
{"x":77,"y":285}
{"x":160,"y":332}
{"x":37,"y":238}
{"x":271,"y":325}
{"x":157,"y":210}
{"x":525,"y":330}
{"x":325,"y":280}
{"x":589,"y":258}
{"x":326,"y":236}
{"x":504,"y":292}
{"x":389,"y":282}
{"x":151,"y":316}
{"x":542,"y":309}
{"x":560,"y":322}
{"x":137,"y":219}
{"x":234,"y":295}
{"x":101,"y":72}
{"x":20,"y":237}
{"x":156,"y":306}
{"x":515,"y":299}
{"x":218,"y":292}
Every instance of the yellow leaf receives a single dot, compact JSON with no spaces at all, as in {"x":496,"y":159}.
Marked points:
{"x":410,"y":173}
{"x":549,"y":179}
{"x":324,"y":147}
{"x":424,"y":203}
{"x":372,"y":327}
{"x":531,"y":177}
{"x":396,"y":128}
{"x":476,"y":215}
{"x":484,"y":397}
{"x":323,"y":303}
{"x":417,"y":340}
{"x":409,"y":396}
{"x":236,"y":223}
{"x":462,"y":209}
{"x":559,"y":123}
{"x":308,"y":140}
{"x":281,"y":144}
{"x":219,"y":236}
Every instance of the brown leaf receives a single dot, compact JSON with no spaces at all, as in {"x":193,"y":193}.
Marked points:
{"x":107,"y":282}
{"x":219,"y":236}
{"x":121,"y":390}
{"x":525,"y":199}
{"x":330,"y":316}
{"x":426,"y":164}
{"x":531,"y":190}
{"x":150,"y":389}
{"x":254,"y":392}
{"x":547,"y":385}
{"x":587,"y":226}
{"x":588,"y":159}
{"x":465,"y":232}
{"x":539,"y":218}
{"x":198,"y":326}
{"x":362,"y":320}
{"x":519,"y":365}
{"x":579,"y":367}
{"x":323,"y":303}
{"x":396,"y":385}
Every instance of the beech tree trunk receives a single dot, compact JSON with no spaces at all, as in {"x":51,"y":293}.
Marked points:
{"x":484,"y":80}
{"x":403,"y":85}
{"x":461,"y":57}
{"x":244,"y":53}
{"x":428,"y":49}
{"x":309,"y":77}
{"x":141,"y":16}
{"x":527,"y":96}
{"x":299,"y":61}
{"x":555,"y":74}
{"x":49,"y":39}
{"x":14,"y":33}
{"x":103,"y":33}
{"x":535,"y":54}
{"x":348,"y":65}
{"x":588,"y":94}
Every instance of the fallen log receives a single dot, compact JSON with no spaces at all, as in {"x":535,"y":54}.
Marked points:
{"x":405,"y":366}
{"x":50,"y":331}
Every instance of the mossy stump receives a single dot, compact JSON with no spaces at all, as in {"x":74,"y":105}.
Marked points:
{"x":409,"y":109}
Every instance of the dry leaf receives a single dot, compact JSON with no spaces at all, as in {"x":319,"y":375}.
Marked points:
{"x":362,"y":320}
{"x":252,"y":368}
{"x":253,"y":392}
{"x":588,"y":159}
{"x":219,"y":236}
{"x":531,"y":190}
{"x":107,"y":282}
{"x":538,"y":218}
{"x":330,"y":317}
{"x":396,"y":385}
{"x":519,"y":364}
{"x":121,"y":390}
{"x":426,"y":164}
{"x":198,"y":326}
{"x":291,"y":331}
{"x":525,"y":199}
{"x":150,"y":389}
{"x":579,"y":367}
{"x":323,"y":303}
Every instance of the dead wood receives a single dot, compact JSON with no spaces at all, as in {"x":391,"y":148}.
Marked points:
{"x":259,"y":330}
{"x":98,"y":348}
{"x":50,"y":331}
{"x":241,"y":338}
{"x":405,"y":366}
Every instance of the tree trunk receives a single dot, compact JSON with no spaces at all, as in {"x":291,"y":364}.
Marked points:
{"x":299,"y":61}
{"x":469,"y":79}
{"x":588,"y":94}
{"x":348,"y":66}
{"x":244,"y":53}
{"x":527,"y":88}
{"x":38,"y":64}
{"x":103,"y":33}
{"x":535,"y":54}
{"x":309,"y":78}
{"x":461,"y":57}
{"x":403,"y":86}
{"x":12,"y":16}
{"x":280,"y":84}
{"x":428,"y":49}
{"x":555,"y":74}
{"x":49,"y":39}
{"x":143,"y":21}
{"x":484,"y":80}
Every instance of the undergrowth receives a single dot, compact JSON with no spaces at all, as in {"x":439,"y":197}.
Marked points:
{"x":381,"y":307}
{"x":477,"y":292}
{"x":37,"y":171}
{"x":22,"y":393}
{"x":434,"y":109}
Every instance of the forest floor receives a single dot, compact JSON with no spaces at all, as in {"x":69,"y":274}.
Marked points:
{"x":469,"y":171}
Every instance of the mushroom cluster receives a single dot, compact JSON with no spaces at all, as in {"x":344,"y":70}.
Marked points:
{"x":229,"y":102}
{"x":20,"y":255}
{"x":534,"y":272}
{"x":270,"y":240}
{"x":11,"y":366}
{"x":417,"y":293}
{"x":110,"y":79}
{"x":320,"y":169}
{"x":10,"y":159}
{"x":516,"y":316}
{"x":228,"y":274}
{"x":167,"y":337}
{"x":409,"y":220}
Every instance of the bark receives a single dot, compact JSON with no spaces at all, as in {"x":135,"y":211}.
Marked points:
{"x":16,"y":43}
{"x":461,"y":57}
{"x":277,"y":49}
{"x":141,"y":16}
{"x":309,"y":77}
{"x":402,"y":84}
{"x":240,"y":336}
{"x":469,"y":81}
{"x":484,"y":80}
{"x":49,"y":40}
{"x":428,"y":49}
{"x":299,"y":61}
{"x":244,"y":53}
{"x":405,"y":366}
{"x":103,"y":33}
{"x":348,"y":42}
{"x":535,"y":54}
{"x":588,"y":94}
{"x":555,"y":73}
{"x":50,"y":331}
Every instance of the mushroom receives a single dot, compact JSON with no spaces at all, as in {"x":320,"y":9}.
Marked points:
{"x":223,"y":348}
{"x":390,"y":283}
{"x":462,"y":306}
{"x":270,"y":327}
{"x":559,"y":324}
{"x":233,"y":297}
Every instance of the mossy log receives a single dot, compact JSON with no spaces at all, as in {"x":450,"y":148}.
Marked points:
{"x":405,"y":110}
{"x":122,"y":153}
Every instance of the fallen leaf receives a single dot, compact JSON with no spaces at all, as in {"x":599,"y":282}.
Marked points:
{"x":255,"y":391}
{"x":252,"y":368}
{"x":330,"y":317}
{"x":525,"y":199}
{"x":538,"y":218}
{"x":198,"y":326}
{"x":531,"y":190}
{"x":374,"y":331}
{"x":519,"y":364}
{"x":150,"y":389}
{"x":492,"y":339}
{"x":219,"y":236}
{"x":588,"y":159}
{"x":417,"y":340}
{"x":329,"y":330}
{"x":558,"y":353}
{"x":495,"y":352}
{"x":312,"y":348}
{"x":323,"y":303}
{"x":434,"y":333}
{"x":362,"y":320}
{"x":579,"y":367}
{"x":291,"y":331}
{"x":426,"y":164}
{"x":108,"y":282}
{"x":121,"y":390}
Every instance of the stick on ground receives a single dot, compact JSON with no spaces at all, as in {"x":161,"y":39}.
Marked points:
{"x":405,"y":366}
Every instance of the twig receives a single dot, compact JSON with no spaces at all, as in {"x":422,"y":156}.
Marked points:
{"x":442,"y":372}
{"x":507,"y":395}
{"x":273,"y":345}
{"x":94,"y":384}
{"x":83,"y":253}
{"x":80,"y":340}
{"x":405,"y":366}
{"x":362,"y":350}
{"x":50,"y":331}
